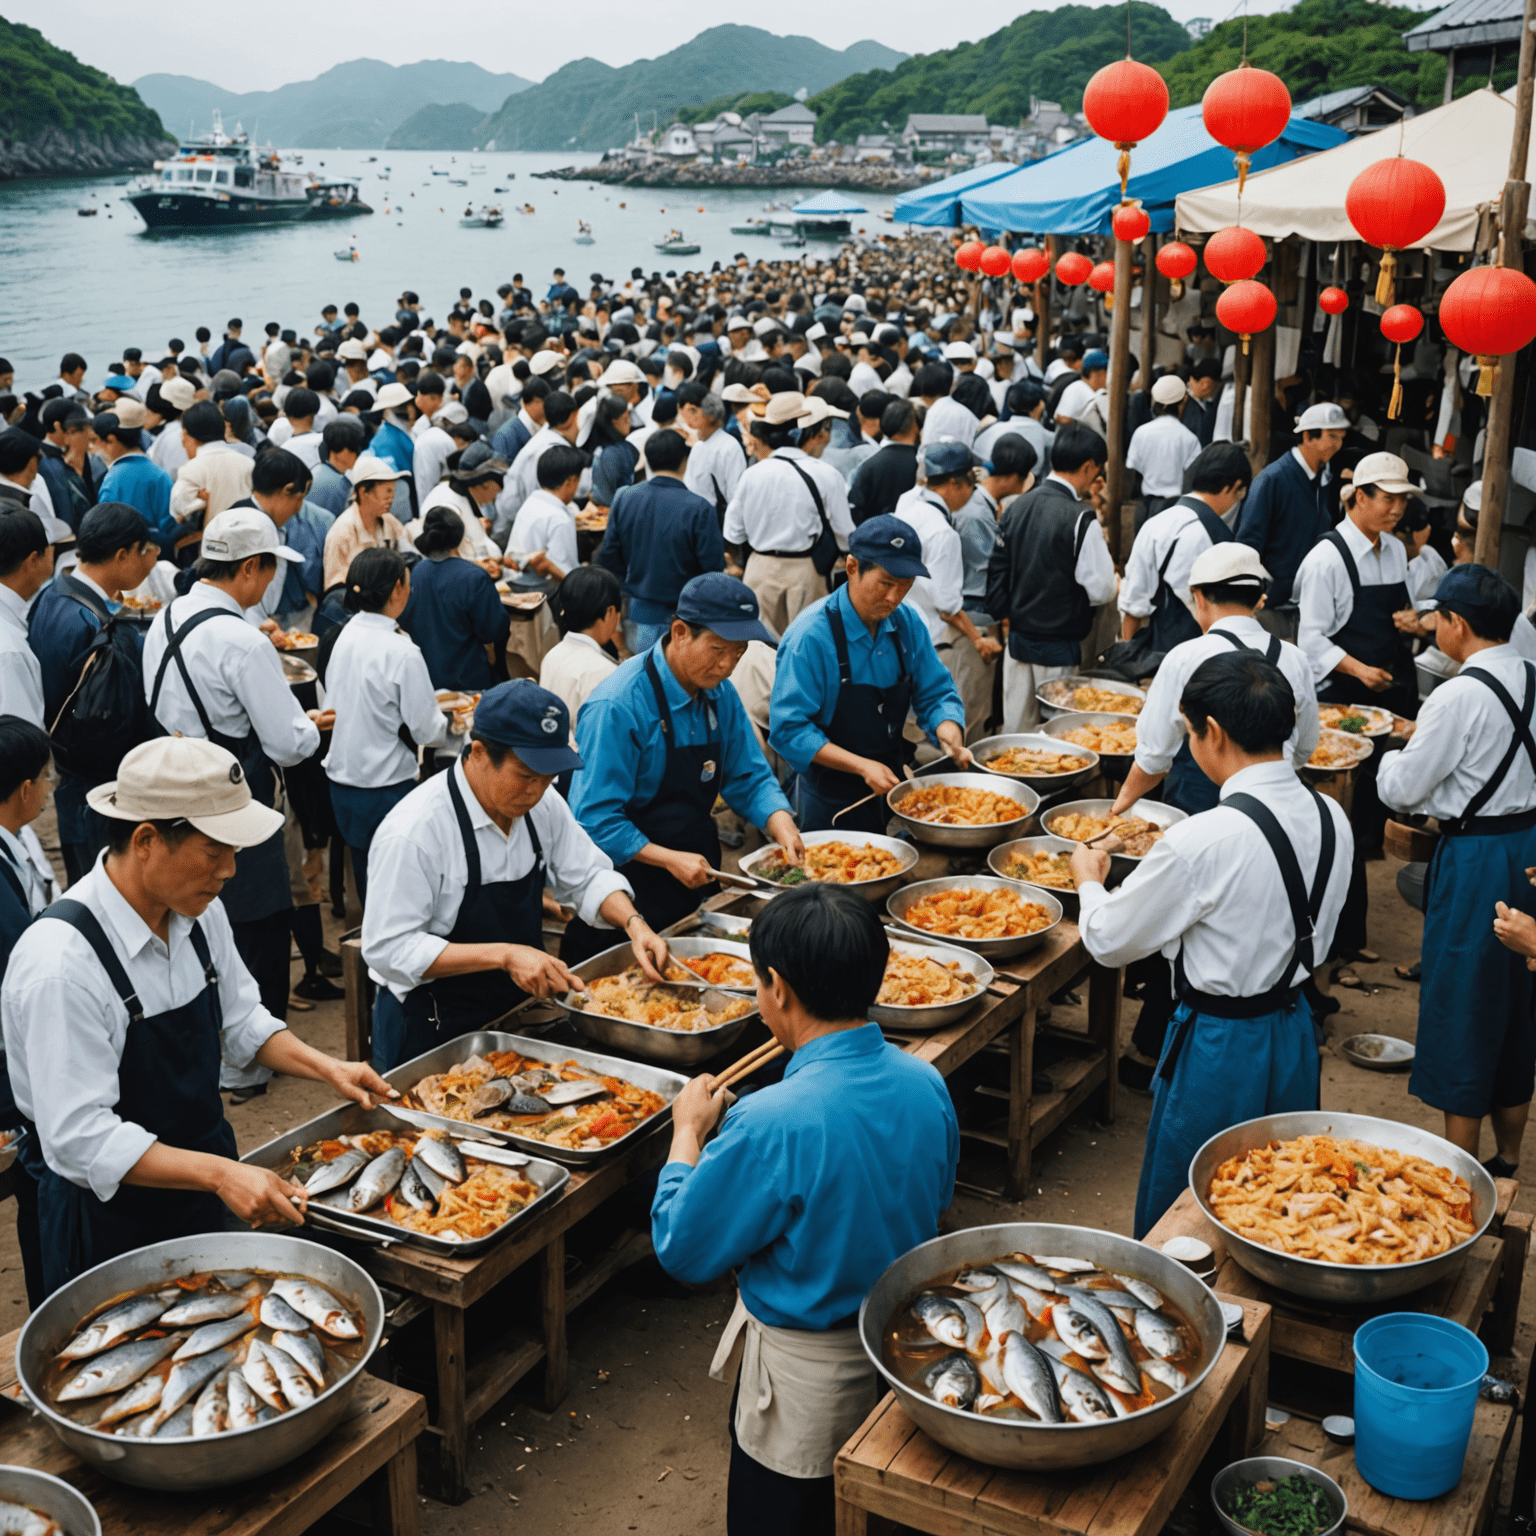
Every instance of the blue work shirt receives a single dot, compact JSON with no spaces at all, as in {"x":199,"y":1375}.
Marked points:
{"x":305,"y":532}
{"x":805,"y":682}
{"x":331,"y":489}
{"x":620,"y":741}
{"x":453,"y":614}
{"x":510,"y":438}
{"x":613,"y":468}
{"x":660,"y":536}
{"x":815,"y":1185}
{"x":393,"y":444}
{"x":141,"y":483}
{"x":1283,"y":516}
{"x":60,"y":631}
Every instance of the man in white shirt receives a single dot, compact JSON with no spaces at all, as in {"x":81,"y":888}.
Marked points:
{"x":1163,"y":448}
{"x":1026,"y":405}
{"x":167,"y":450}
{"x":543,"y":535}
{"x":716,"y":461}
{"x":946,"y":418}
{"x":26,"y":566}
{"x":1085,"y":399}
{"x":865,"y":376}
{"x":214,"y":477}
{"x":435,"y":446}
{"x":561,"y":424}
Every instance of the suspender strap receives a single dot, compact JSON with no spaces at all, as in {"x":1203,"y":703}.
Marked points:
{"x":1084,"y":523}
{"x":815,"y":490}
{"x":1271,"y":651}
{"x":1350,"y":568}
{"x":173,"y":640}
{"x":840,"y":644}
{"x":70,"y":586}
{"x":84,"y":921}
{"x":1520,"y":718}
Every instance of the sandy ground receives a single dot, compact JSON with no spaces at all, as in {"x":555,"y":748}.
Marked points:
{"x":641,"y":1443}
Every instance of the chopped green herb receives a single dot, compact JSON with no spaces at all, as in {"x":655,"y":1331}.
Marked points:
{"x":1291,"y":1506}
{"x":784,"y":874}
{"x":1354,"y":724}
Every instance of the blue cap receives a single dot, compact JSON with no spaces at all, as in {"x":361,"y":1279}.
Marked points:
{"x":1480,"y":594}
{"x":724,"y":606}
{"x":947,"y":456}
{"x":120,"y":382}
{"x":1094,"y":360}
{"x":532,"y":721}
{"x":891,"y":543}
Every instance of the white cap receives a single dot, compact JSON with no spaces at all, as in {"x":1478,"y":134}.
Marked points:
{"x":818,"y":410}
{"x":765,"y":325}
{"x":815,"y":332}
{"x":960,"y":352}
{"x":1169,"y":389}
{"x":352,"y":351}
{"x":391,"y":397}
{"x":449,"y":413}
{"x":621,"y":371}
{"x":369,"y":466}
{"x":1386,"y":472}
{"x":545,"y":361}
{"x":178,"y":393}
{"x":738,"y":323}
{"x":1473,"y":496}
{"x":1227,"y":563}
{"x":738,"y":394}
{"x":1323,"y":417}
{"x":858,"y":339}
{"x":240,"y":532}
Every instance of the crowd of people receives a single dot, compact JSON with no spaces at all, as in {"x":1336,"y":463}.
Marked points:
{"x":592,"y":582}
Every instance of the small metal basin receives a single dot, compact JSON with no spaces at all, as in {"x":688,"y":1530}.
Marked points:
{"x":997,"y":862}
{"x":1043,"y":783}
{"x":966,"y":836}
{"x":1116,"y":763}
{"x":53,"y":1496}
{"x":935,"y":1015}
{"x":1257,"y":1469}
{"x":1053,"y":696}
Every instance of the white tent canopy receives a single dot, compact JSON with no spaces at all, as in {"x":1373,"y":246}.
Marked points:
{"x":1467,"y":142}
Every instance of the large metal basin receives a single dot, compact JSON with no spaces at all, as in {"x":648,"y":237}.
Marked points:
{"x":1051,"y":696}
{"x":52,"y":1495}
{"x":997,"y":862}
{"x":1041,"y":783}
{"x":994,"y":949}
{"x":218,"y":1460}
{"x":1121,"y":865}
{"x":1341,"y":1284}
{"x":935,"y":1015}
{"x":1039,"y":1447}
{"x":1117,"y":764}
{"x":873,"y":890}
{"x":966,"y":837}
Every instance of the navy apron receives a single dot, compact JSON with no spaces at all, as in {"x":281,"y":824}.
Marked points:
{"x":1370,"y":636}
{"x":168,"y":1082}
{"x":868,"y":722}
{"x":1187,"y":786}
{"x":490,"y":912}
{"x":1172,"y":623}
{"x":260,"y":886}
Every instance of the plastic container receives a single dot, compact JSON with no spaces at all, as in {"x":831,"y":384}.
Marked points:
{"x":1416,"y":1384}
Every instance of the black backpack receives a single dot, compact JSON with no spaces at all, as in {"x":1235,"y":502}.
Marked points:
{"x":105,"y":715}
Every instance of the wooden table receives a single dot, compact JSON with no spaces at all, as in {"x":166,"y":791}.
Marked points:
{"x":892,"y":1470}
{"x":375,"y":1445}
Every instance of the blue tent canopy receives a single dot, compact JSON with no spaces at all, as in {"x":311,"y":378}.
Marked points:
{"x":834,"y":203}
{"x":939,"y":202}
{"x":1076,"y":191}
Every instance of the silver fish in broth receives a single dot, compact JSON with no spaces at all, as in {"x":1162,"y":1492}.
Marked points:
{"x":116,"y":1323}
{"x":118,"y":1368}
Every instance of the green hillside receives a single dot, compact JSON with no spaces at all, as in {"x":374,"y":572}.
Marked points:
{"x":45,"y":87}
{"x":1050,"y":54}
{"x":456,"y":126}
{"x":742,"y":102}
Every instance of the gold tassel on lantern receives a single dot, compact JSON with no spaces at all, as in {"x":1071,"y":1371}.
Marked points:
{"x":1395,"y":405}
{"x":1243,"y":162}
{"x":1487,"y":374}
{"x":1384,"y":286}
{"x":1125,"y":166}
{"x":1244,"y":340}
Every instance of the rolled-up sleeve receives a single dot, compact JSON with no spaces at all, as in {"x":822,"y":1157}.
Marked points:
{"x":1156,"y":905}
{"x":419,"y":708}
{"x":404,"y":881}
{"x":1160,"y":727}
{"x":1406,"y":779}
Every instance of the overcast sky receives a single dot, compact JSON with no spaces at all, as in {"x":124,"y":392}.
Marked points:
{"x":285,"y":40}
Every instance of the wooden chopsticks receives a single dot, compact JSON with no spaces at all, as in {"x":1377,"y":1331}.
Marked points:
{"x":749,"y":1064}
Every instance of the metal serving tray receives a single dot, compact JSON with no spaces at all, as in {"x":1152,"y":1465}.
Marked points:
{"x":352,"y":1120}
{"x":455,"y":1052}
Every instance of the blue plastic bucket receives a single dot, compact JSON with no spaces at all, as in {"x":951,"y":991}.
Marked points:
{"x":1416,"y":1383}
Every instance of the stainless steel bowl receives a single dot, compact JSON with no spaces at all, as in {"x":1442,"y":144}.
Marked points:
{"x":1039,"y":1447}
{"x":53,"y":1496}
{"x":1049,"y":693}
{"x":1058,"y":726}
{"x":995,"y":949}
{"x":1256,"y":1469}
{"x":1121,"y":865}
{"x":997,"y":862}
{"x":967,"y":837}
{"x":675,"y":1047}
{"x":1043,"y":783}
{"x":1346,"y":1284}
{"x":873,"y":890}
{"x":935,"y":1015}
{"x":218,"y":1460}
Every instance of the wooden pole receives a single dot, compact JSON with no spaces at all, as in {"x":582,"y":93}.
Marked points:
{"x":1262,"y":375}
{"x":1148,"y":309}
{"x":1513,"y":207}
{"x":1119,"y":391}
{"x":1043,"y":306}
{"x":1240,"y":366}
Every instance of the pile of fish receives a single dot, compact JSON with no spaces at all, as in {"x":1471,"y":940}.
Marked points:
{"x":433,"y":1166}
{"x":1048,"y":1339}
{"x":228,"y":1354}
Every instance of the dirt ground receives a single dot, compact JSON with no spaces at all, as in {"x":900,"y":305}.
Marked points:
{"x":641,"y":1443}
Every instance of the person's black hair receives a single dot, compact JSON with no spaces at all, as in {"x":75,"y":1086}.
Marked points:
{"x":430,"y":382}
{"x":70,"y":362}
{"x":932,"y":379}
{"x":603,"y":434}
{"x":108,"y":527}
{"x":1206,"y":368}
{"x":1070,"y":346}
{"x":278,"y":470}
{"x":203,"y":421}
{"x":1013,"y":455}
{"x":21,"y":536}
{"x":105,"y":424}
{"x":836,"y":392}
{"x":683,"y":364}
{"x":1250,"y":698}
{"x":372,"y":578}
{"x":24,"y":753}
{"x":1415,"y":517}
{"x":1075,"y":446}
{"x":899,"y":416}
{"x":536,"y":388}
{"x":872,"y":404}
{"x":829,"y":947}
{"x":172,"y":831}
{"x":226,"y":570}
{"x":557,"y":408}
{"x":584,"y":597}
{"x":320,"y":375}
{"x":559,"y":464}
{"x":775,"y":436}
{"x":663,"y":410}
{"x":1024,"y":396}
{"x":1232,"y":594}
{"x":301,"y":404}
{"x":972,"y":392}
{"x":442,"y":531}
{"x":63,"y":413}
{"x":1219,"y":465}
{"x":344,"y":433}
{"x":1494,"y":606}
{"x":666,"y":450}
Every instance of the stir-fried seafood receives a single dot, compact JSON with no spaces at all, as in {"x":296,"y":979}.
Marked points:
{"x":986,"y":913}
{"x":833,"y":864}
{"x":953,"y":805}
{"x":1134,"y":835}
{"x":1108,"y":740}
{"x":630,"y":996}
{"x":1031,"y":761}
{"x":718,"y":969}
{"x":1338,"y":749}
{"x":1047,"y":869}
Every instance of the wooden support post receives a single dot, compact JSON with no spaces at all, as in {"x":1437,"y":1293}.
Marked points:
{"x":1262,"y":389}
{"x":552,"y":1318}
{"x":1148,"y":310}
{"x":452,"y":1417}
{"x":1043,"y":306}
{"x":1119,"y":393}
{"x":1240,"y":368}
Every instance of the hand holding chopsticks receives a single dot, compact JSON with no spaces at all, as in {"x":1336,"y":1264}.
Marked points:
{"x":766,"y":1052}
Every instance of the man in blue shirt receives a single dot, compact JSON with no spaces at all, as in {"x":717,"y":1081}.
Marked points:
{"x":343,"y":439}
{"x":802,"y":1193}
{"x":280,"y":487}
{"x":132,"y":476}
{"x":392,"y":442}
{"x":660,"y":536}
{"x":850,"y":668}
{"x":663,"y":738}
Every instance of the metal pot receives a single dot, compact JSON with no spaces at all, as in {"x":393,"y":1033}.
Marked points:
{"x":1340,"y":1284}
{"x":1052,"y":696}
{"x":52,"y":1495}
{"x":935,"y":1015}
{"x":1117,"y":764}
{"x":1043,"y":783}
{"x":967,"y":837}
{"x":217,"y":1460}
{"x":995,"y":949}
{"x":872,"y":890}
{"x":1259,"y":1468}
{"x":997,"y":862}
{"x":1121,"y":865}
{"x":1039,"y":1447}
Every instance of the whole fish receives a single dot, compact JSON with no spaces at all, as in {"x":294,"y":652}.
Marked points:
{"x":440,"y":1155}
{"x":980,"y":1279}
{"x":1003,"y":1310}
{"x":296,"y":1385}
{"x":210,"y":1413}
{"x":1028,"y":1274}
{"x":500,"y":1094}
{"x":207,"y":1308}
{"x":261,"y":1375}
{"x":175,"y":1426}
{"x":303,"y":1347}
{"x":942,"y":1317}
{"x":136,"y":1428}
{"x":280,"y":1317}
{"x":18,"y":1520}
{"x":1067,"y":1266}
{"x":340,"y":1170}
{"x":1170,"y":1375}
{"x":116,"y":1323}
{"x":1036,"y":1303}
{"x":186,"y":1380}
{"x":1158,"y":1336}
{"x":243,"y":1403}
{"x":119,"y":1368}
{"x":1149,"y":1295}
{"x":143,"y":1395}
{"x":573,"y":1092}
{"x":1077,"y":1333}
{"x":415,"y":1190}
{"x":1081,"y":1396}
{"x":215,"y":1335}
{"x":376,"y":1180}
{"x":1114,"y":1299}
{"x":1119,"y":1369}
{"x":1030,"y":1378}
{"x":953,"y":1381}
{"x":990,"y":1363}
{"x":316,"y":1303}
{"x":233,"y":1279}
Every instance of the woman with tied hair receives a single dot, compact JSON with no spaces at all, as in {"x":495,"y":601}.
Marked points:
{"x":455,"y":612}
{"x":377,"y":682}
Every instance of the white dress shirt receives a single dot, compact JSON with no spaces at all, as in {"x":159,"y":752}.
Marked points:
{"x":238,"y":675}
{"x":1075,"y":400}
{"x":1138,"y":592}
{"x":308,"y":446}
{"x":942,"y":590}
{"x":545,"y":523}
{"x":522,"y":481}
{"x":377,"y":681}
{"x":947,"y":418}
{"x":417,"y":873}
{"x":26,"y":857}
{"x":716,"y":464}
{"x":772,"y":509}
{"x":21,"y":674}
{"x":432,"y":450}
{"x":167,"y":450}
{"x":1161,"y":450}
{"x":863,"y":379}
{"x":1462,"y":734}
{"x":1212,"y":884}
{"x":1160,"y":727}
{"x":574,"y":668}
{"x":476,"y":543}
{"x":1095,"y":568}
{"x":900,"y":381}
{"x":1326,"y":598}
{"x":65,"y":1026}
{"x":1020,"y":426}
{"x":1424,"y":573}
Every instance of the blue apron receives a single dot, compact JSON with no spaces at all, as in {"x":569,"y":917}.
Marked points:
{"x":168,"y":1082}
{"x":1231,"y":1059}
{"x":490,"y":912}
{"x":867,"y":721}
{"x":1172,"y":623}
{"x":1187,"y":786}
{"x":1476,"y":1047}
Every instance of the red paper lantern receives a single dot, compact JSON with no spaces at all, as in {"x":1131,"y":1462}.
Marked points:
{"x":1234,"y":253}
{"x":1125,"y":102}
{"x":1246,"y":307}
{"x":1489,"y":312}
{"x":1401,"y":324}
{"x":1175,"y":260}
{"x":1102,"y":278}
{"x":1130,"y":221}
{"x":994,"y":261}
{"x":1073,"y":269}
{"x":1030,"y":264}
{"x":1394,"y":204}
{"x":1245,"y":109}
{"x":1333,"y":301}
{"x":968,"y":255}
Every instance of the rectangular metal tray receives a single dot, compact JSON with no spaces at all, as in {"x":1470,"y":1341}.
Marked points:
{"x":453,"y":1052}
{"x":352,"y":1120}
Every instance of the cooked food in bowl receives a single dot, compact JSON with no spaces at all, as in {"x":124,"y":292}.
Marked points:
{"x":950,"y":805}
{"x":913,"y":981}
{"x":1133,"y":835}
{"x":1088,"y":700}
{"x":832,"y":864}
{"x":1048,"y":869}
{"x":1343,"y":1202}
{"x":630,"y":996}
{"x":718,"y":969}
{"x":1107,"y":740}
{"x":1037,"y":1339}
{"x":294,"y":640}
{"x":977,"y":914}
{"x":1339,"y":749}
{"x":1030,"y":761}
{"x":1355,"y":719}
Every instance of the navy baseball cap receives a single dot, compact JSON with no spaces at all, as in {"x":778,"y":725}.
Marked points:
{"x":724,"y":606}
{"x":1092,"y":361}
{"x":532,"y":721}
{"x":891,"y":543}
{"x":1481,"y":595}
{"x":947,"y":456}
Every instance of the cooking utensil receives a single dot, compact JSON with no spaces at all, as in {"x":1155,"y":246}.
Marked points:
{"x":934,"y":1015}
{"x":746,"y":882}
{"x":1121,"y":865}
{"x":873,"y":890}
{"x":1044,"y":783}
{"x":1052,"y":696}
{"x":53,"y":1496}
{"x":770,"y":1050}
{"x":983,"y":836}
{"x":994,"y":949}
{"x":1258,"y":1469}
{"x":426,"y":1122}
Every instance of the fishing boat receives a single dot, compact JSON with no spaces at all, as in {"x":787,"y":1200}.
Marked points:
{"x":677,"y":244}
{"x":751,"y":227}
{"x":583,"y":233}
{"x":350,"y":254}
{"x":487,"y":218}
{"x":87,"y":212}
{"x":457,"y":181}
{"x":336,"y":200}
{"x":436,"y":171}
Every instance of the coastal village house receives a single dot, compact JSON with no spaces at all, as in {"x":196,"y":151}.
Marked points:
{"x":794,"y":124}
{"x":952,"y":132}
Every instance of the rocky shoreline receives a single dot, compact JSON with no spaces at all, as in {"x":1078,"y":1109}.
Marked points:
{"x":54,"y":152}
{"x":800,"y":173}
